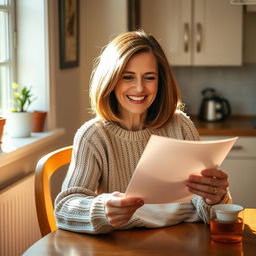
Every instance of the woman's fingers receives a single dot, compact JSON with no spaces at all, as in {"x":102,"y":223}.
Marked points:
{"x":211,"y":184}
{"x":119,"y":201}
{"x":112,"y":211}
{"x":119,"y":209}
{"x":207,"y":189}
{"x":210,"y":198}
{"x":214,"y":173}
{"x":213,"y":197}
{"x":210,"y":180}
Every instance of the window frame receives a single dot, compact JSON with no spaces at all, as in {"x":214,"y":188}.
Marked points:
{"x":10,"y":62}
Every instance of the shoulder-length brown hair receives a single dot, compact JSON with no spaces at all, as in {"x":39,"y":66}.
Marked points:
{"x":108,"y":70}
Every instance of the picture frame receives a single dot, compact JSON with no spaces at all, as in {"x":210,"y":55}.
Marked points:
{"x":69,"y":33}
{"x":134,"y":19}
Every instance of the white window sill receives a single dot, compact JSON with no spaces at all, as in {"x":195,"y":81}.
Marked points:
{"x":16,"y":148}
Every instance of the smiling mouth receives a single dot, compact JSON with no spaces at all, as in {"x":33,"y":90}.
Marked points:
{"x":136,"y":98}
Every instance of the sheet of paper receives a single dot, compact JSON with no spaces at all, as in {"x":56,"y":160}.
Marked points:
{"x":166,"y":163}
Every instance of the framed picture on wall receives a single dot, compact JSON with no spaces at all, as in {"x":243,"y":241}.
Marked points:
{"x":69,"y":33}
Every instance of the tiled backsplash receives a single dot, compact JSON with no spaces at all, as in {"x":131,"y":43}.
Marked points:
{"x":236,"y":84}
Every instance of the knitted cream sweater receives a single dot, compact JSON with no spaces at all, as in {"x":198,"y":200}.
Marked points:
{"x":103,"y":160}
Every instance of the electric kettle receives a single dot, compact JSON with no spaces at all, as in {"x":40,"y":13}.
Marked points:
{"x":213,"y":108}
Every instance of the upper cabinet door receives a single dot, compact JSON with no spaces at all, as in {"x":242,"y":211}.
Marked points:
{"x":198,"y":32}
{"x":169,"y":21}
{"x":217,"y":33}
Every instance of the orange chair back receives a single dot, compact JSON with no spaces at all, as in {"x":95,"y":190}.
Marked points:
{"x":45,"y":168}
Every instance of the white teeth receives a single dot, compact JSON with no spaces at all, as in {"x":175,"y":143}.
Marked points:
{"x":136,"y":98}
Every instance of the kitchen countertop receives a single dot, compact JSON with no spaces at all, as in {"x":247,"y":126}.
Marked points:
{"x":237,"y":125}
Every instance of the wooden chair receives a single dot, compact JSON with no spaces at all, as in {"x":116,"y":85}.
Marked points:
{"x":45,"y":168}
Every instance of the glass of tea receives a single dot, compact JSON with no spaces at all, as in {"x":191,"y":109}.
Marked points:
{"x":227,"y":223}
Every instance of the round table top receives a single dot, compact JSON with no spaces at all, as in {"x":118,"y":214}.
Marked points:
{"x":182,"y":239}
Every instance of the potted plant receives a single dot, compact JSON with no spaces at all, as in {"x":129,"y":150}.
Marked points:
{"x":19,"y":121}
{"x":39,"y":120}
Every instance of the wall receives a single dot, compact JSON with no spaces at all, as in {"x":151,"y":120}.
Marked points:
{"x":64,"y":84}
{"x":99,"y":21}
{"x":237,"y":84}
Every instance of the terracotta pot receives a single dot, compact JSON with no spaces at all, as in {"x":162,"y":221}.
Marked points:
{"x":2,"y":123}
{"x":38,"y":121}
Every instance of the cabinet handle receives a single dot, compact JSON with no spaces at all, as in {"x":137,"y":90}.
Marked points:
{"x":186,"y":37}
{"x":198,"y":37}
{"x":238,"y":147}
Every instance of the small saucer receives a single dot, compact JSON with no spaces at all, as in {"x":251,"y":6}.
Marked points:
{"x":227,"y":212}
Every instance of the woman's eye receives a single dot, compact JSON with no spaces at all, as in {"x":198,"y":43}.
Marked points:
{"x":127,"y":77}
{"x":150,"y":78}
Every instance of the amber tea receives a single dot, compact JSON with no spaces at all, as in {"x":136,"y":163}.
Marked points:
{"x":227,"y":232}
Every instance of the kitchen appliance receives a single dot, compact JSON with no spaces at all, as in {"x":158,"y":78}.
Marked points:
{"x":213,"y":108}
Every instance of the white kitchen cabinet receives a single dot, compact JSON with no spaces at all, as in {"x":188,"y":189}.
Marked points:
{"x":195,"y":32}
{"x":240,"y":165}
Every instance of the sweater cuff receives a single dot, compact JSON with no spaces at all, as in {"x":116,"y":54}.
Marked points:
{"x":98,"y":216}
{"x":202,"y":208}
{"x":226,"y":199}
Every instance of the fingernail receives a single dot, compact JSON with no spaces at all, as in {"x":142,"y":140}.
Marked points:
{"x":205,"y":171}
{"x":139,"y":202}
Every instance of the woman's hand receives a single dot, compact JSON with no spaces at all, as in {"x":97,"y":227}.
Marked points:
{"x":119,"y":210}
{"x":211,"y":185}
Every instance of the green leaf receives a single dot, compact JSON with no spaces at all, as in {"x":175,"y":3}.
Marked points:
{"x":22,"y":97}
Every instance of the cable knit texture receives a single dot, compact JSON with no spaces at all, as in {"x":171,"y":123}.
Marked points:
{"x":103,"y":161}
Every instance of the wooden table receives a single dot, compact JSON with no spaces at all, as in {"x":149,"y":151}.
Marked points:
{"x":182,"y":239}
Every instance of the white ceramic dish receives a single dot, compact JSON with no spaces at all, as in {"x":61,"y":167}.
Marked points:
{"x":227,"y":212}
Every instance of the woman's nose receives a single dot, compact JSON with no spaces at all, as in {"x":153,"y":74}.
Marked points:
{"x":139,"y":85}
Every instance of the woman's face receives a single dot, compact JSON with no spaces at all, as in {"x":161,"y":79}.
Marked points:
{"x":137,"y":87}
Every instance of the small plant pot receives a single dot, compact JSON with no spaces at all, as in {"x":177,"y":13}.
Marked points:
{"x":38,"y":121}
{"x":2,"y":123}
{"x":19,"y":124}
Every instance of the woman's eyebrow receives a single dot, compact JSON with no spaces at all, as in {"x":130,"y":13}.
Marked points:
{"x":151,"y":73}
{"x":128,"y":72}
{"x":147,"y":73}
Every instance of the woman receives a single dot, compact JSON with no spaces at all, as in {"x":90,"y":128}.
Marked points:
{"x":134,"y":95}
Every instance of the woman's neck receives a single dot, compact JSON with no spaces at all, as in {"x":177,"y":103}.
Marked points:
{"x":133,"y":122}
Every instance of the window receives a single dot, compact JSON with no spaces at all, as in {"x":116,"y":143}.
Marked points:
{"x":7,"y":56}
{"x":24,"y":54}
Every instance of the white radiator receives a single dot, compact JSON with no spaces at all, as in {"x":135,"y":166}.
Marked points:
{"x":18,"y":221}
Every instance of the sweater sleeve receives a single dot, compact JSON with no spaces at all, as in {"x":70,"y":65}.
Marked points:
{"x":203,"y":209}
{"x":78,"y":208}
